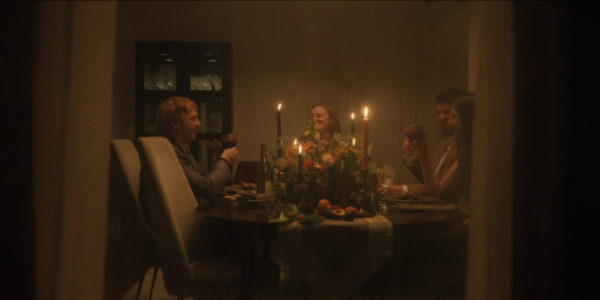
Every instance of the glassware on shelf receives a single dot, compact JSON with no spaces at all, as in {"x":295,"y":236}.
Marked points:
{"x":206,"y":82}
{"x":162,"y":77}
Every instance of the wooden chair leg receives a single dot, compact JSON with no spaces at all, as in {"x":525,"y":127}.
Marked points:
{"x":153,"y":281}
{"x":139,"y":289}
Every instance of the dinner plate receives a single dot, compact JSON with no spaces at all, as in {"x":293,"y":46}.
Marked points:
{"x":421,"y":200}
{"x":232,"y":188}
{"x":419,"y":207}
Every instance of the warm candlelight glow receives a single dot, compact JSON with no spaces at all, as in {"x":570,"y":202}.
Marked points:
{"x":279,"y":151}
{"x":300,"y":149}
{"x":295,"y":142}
{"x":353,"y":141}
{"x":365,"y":137}
{"x":352,"y":124}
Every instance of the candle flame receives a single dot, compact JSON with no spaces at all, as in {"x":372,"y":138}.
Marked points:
{"x":279,"y":106}
{"x":300,"y":149}
{"x":295,"y":142}
{"x":366,"y":112}
{"x":353,"y":141}
{"x":352,"y":116}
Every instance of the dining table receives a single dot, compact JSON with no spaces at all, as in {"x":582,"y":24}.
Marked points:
{"x":334,"y":257}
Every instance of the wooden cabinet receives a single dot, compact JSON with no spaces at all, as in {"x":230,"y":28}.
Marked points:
{"x":198,"y":71}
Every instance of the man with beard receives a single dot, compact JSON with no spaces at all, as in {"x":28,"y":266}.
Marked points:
{"x":444,"y":154}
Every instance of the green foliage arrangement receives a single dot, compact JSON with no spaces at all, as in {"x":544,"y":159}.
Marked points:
{"x":332,"y":171}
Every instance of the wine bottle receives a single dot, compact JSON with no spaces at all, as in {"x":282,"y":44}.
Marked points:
{"x":264,"y":174}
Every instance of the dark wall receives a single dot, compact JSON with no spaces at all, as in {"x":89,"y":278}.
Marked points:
{"x":553,"y":201}
{"x":581,"y":197}
{"x":16,"y":151}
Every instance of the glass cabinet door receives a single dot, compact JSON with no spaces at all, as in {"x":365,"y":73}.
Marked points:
{"x":198,"y":71}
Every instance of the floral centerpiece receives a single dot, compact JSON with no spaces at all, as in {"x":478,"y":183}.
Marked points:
{"x":324,"y":179}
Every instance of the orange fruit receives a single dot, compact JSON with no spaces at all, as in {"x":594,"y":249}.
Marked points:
{"x":322,"y":206}
{"x":352,"y":209}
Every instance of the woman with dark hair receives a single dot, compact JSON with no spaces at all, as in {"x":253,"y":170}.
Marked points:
{"x":326,"y":121}
{"x":454,"y":184}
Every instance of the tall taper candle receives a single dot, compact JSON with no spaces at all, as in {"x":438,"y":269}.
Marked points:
{"x":300,"y":162}
{"x":279,"y":151}
{"x":352,"y":124}
{"x":365,"y":135}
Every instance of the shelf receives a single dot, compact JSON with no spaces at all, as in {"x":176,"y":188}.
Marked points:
{"x":198,"y":96}
{"x":187,"y":68}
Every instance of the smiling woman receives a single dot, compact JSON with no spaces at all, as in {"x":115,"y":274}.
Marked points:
{"x":326,"y":121}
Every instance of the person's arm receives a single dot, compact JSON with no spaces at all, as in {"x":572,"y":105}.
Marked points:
{"x":414,"y":167}
{"x":434,"y":187}
{"x":393,"y":189}
{"x":207,"y":186}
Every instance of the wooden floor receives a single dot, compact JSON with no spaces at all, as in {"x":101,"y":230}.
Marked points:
{"x":383,"y":285}
{"x":289,"y":292}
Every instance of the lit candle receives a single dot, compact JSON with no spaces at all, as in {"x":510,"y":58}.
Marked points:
{"x":300,"y":162}
{"x":279,"y":152}
{"x":295,"y":142}
{"x":352,"y":124}
{"x":365,"y":135}
{"x":353,"y":141}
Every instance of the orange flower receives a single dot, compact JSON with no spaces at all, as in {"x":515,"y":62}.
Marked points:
{"x":328,"y":159}
{"x":307,"y":163}
{"x":310,"y":147}
{"x":338,"y":152}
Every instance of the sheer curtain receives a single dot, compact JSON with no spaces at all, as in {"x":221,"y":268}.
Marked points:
{"x":491,"y":78}
{"x":72,"y":118}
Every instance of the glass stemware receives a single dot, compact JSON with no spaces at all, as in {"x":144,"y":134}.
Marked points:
{"x":385,"y":174}
{"x":228,"y":140}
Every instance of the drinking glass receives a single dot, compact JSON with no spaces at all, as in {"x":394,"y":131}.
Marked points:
{"x":385,"y":174}
{"x":228,"y":140}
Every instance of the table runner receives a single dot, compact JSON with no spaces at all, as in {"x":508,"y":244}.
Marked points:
{"x":335,"y":257}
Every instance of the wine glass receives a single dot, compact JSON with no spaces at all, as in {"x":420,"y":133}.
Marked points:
{"x":228,"y":140}
{"x":385,"y":174}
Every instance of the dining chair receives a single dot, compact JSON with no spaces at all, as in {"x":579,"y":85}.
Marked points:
{"x":130,"y":249}
{"x":245,"y":171}
{"x":179,"y":229}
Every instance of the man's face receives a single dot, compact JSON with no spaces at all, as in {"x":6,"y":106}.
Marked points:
{"x":443,"y":115}
{"x":454,"y":121}
{"x":188,"y":126}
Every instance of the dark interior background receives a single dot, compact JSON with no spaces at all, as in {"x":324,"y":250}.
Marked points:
{"x":552,"y":245}
{"x":16,"y":154}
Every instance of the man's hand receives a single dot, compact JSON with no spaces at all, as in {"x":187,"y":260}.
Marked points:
{"x":231,"y":155}
{"x":409,"y":155}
